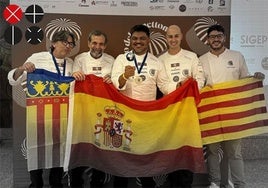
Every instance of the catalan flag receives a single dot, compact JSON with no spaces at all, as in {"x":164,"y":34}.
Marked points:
{"x":46,"y":115}
{"x":232,"y":110}
{"x":131,"y":138}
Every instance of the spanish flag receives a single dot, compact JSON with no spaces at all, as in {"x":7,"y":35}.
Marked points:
{"x":47,"y":98}
{"x":130,"y":138}
{"x":232,"y":110}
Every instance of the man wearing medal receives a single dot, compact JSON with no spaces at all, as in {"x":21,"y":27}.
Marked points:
{"x":180,"y":65}
{"x":137,"y":74}
{"x":55,"y":61}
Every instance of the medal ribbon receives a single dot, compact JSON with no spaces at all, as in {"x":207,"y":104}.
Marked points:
{"x":57,"y":67}
{"x":142,"y":64}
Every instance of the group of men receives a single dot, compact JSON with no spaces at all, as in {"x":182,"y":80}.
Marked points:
{"x":137,"y":74}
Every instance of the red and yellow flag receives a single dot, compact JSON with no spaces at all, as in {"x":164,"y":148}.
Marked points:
{"x":131,"y":138}
{"x":233,"y":110}
{"x":46,"y":119}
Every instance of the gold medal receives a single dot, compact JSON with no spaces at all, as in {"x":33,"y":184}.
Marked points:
{"x":138,"y":79}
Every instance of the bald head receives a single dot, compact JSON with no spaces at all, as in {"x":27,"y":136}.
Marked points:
{"x":174,"y":28}
{"x":174,"y":37}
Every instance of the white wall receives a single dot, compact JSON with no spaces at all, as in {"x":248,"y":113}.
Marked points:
{"x":249,"y":33}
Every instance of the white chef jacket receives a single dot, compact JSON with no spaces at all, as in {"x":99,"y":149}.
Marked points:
{"x":88,"y":65}
{"x":42,"y":60}
{"x":142,"y":86}
{"x":230,"y":65}
{"x":181,"y":65}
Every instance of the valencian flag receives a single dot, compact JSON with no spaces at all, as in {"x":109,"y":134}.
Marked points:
{"x":126,"y":137}
{"x":47,"y":110}
{"x":233,"y":110}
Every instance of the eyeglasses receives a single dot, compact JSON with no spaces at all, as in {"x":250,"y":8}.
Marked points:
{"x":219,"y":36}
{"x":66,"y":43}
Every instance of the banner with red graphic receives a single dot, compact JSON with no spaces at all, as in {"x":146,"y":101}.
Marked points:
{"x":233,"y":110}
{"x":46,"y":119}
{"x":131,"y":138}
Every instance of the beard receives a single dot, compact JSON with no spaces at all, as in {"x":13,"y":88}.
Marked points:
{"x":218,"y":46}
{"x":96,"y":54}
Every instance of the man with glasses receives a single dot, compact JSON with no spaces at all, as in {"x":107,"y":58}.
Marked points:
{"x":56,"y":61}
{"x":221,"y":65}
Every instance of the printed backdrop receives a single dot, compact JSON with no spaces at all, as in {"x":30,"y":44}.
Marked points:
{"x":194,"y":17}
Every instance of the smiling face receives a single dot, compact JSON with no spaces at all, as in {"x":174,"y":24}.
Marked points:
{"x":174,"y":37}
{"x":216,"y":40}
{"x":97,"y":45}
{"x":139,"y":42}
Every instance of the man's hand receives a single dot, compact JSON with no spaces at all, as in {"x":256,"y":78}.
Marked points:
{"x":79,"y":75}
{"x":107,"y":79}
{"x":179,"y":84}
{"x":259,"y":75}
{"x":129,"y":71}
{"x":28,"y":67}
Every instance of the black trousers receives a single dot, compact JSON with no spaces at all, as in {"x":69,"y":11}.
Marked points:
{"x":55,"y":178}
{"x":122,"y":182}
{"x":76,"y":177}
{"x":77,"y":181}
{"x":181,"y":179}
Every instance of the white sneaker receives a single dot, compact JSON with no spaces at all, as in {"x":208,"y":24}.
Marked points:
{"x":213,"y":185}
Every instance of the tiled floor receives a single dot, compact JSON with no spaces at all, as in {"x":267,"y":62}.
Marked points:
{"x":256,"y":170}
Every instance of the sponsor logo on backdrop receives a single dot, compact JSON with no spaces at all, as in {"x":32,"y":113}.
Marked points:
{"x":84,"y":3}
{"x":210,"y":9}
{"x":171,"y":7}
{"x":173,"y":1}
{"x":157,"y":7}
{"x":196,"y":9}
{"x":156,"y":1}
{"x":129,"y":3}
{"x":158,"y":40}
{"x":99,"y":2}
{"x":222,"y":2}
{"x":113,"y":4}
{"x":210,"y":2}
{"x":182,"y":8}
{"x":188,"y":1}
{"x":199,"y":1}
{"x":253,"y":40}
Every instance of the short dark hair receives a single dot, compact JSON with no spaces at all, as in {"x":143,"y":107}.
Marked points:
{"x":140,"y":28}
{"x":215,"y":27}
{"x":97,"y":33}
{"x":61,"y":36}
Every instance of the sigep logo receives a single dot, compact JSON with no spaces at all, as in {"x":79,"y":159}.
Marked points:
{"x":253,"y":40}
{"x":157,"y":35}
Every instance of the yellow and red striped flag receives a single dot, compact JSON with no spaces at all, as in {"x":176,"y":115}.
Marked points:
{"x":46,"y":118}
{"x":232,"y":110}
{"x":131,"y":138}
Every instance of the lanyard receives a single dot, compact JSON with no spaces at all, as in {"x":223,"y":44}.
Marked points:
{"x":142,"y":64}
{"x":57,"y":66}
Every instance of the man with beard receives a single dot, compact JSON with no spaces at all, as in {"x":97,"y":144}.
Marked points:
{"x":96,"y":62}
{"x":221,"y":65}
